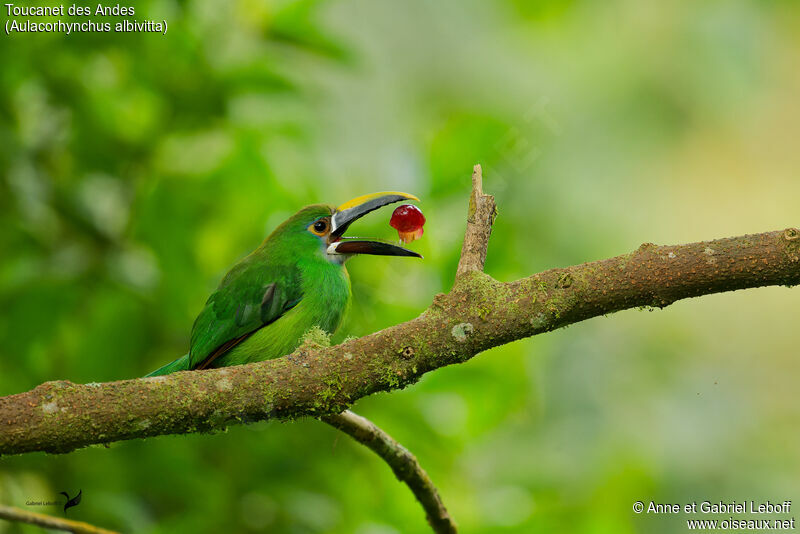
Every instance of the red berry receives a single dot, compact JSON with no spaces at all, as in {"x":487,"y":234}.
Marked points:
{"x":408,"y":220}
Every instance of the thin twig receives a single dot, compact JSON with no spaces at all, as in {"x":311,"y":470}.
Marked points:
{"x":11,"y":513}
{"x":405,"y":465}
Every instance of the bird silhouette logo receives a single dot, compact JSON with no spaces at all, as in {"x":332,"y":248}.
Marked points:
{"x":74,"y":501}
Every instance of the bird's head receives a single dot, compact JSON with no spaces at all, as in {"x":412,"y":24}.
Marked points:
{"x":321,"y":227}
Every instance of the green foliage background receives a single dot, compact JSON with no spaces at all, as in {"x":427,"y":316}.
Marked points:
{"x":136,"y":168}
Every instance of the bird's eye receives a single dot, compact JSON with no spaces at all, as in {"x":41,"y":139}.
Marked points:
{"x":320,"y":227}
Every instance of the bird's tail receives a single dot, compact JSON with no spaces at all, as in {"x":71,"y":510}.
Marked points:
{"x":181,"y":364}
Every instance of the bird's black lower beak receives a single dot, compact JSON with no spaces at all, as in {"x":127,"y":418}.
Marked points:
{"x":375,"y":248}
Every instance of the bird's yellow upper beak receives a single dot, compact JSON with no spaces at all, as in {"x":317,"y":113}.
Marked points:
{"x":388,"y":195}
{"x":360,"y":206}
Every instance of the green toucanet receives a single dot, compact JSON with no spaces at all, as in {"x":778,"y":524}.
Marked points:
{"x":294,"y":281}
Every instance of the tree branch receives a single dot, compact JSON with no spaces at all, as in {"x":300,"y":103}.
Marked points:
{"x":477,"y":314}
{"x":480,"y":218}
{"x":404,"y":464}
{"x":11,"y":513}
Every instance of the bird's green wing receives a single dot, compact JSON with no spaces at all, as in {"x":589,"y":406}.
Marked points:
{"x":250,"y":296}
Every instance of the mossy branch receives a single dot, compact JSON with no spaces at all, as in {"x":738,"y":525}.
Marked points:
{"x":477,"y":314}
